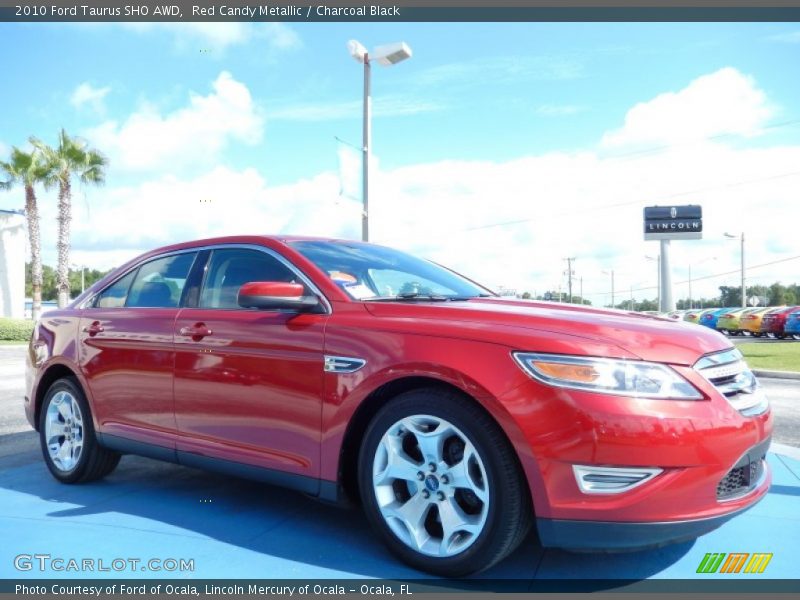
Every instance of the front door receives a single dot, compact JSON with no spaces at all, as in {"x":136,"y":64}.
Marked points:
{"x":248,"y":382}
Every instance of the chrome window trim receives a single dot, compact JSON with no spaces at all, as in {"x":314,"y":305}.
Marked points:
{"x":90,"y":300}
{"x":269,"y":251}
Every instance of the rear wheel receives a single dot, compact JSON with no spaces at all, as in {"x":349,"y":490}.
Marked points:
{"x":67,"y":436}
{"x":796,"y":336}
{"x":441,"y":484}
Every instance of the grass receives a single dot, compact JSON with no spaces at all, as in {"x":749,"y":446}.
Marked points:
{"x":775,"y":356}
{"x":12,"y":343}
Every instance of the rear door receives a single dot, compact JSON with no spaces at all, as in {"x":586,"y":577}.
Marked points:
{"x":127,"y":351}
{"x":248,"y":382}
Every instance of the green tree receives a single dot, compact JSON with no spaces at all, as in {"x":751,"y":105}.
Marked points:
{"x":27,"y":170}
{"x":71,"y":157}
{"x":777,"y":294}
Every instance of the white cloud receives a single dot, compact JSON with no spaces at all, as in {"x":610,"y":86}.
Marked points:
{"x":721,"y":103}
{"x":221,"y":202}
{"x":218,"y":37}
{"x":195,"y":134}
{"x":88,"y":95}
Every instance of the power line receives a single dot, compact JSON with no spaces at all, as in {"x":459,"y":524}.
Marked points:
{"x":713,"y":276}
{"x":719,"y":136}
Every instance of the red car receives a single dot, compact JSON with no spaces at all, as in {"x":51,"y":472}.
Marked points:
{"x":458,"y":419}
{"x":774,"y":322}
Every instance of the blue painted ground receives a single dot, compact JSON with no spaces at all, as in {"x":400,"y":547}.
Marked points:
{"x":238,"y":529}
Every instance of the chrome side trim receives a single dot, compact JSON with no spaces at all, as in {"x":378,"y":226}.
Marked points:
{"x":343,"y":364}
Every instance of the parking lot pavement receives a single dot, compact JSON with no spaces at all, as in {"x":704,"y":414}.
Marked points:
{"x":239,"y":529}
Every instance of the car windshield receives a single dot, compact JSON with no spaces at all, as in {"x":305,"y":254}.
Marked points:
{"x":368,"y":272}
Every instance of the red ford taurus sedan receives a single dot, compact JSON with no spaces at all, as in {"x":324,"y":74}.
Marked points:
{"x":353,"y":371}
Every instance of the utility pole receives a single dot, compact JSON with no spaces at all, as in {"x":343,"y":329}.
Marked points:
{"x":612,"y":289}
{"x":613,"y":300}
{"x":569,"y":276}
{"x":581,"y":289}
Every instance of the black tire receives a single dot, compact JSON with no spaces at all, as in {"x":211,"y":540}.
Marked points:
{"x":94,"y":461}
{"x":508,"y":517}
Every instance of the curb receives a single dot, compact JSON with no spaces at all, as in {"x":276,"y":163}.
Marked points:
{"x":776,"y":374}
{"x":783,"y":449}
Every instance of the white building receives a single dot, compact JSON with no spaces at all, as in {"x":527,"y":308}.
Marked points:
{"x":12,"y":264}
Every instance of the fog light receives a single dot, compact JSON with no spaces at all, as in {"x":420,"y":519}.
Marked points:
{"x":612,"y":480}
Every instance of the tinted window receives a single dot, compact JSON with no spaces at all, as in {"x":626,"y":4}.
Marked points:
{"x":115,"y":294}
{"x":229,"y":269}
{"x":160,"y":282}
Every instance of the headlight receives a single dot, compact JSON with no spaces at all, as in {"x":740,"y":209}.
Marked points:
{"x":617,"y":377}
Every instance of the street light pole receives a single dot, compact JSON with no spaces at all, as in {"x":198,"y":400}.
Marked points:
{"x":387,"y":55}
{"x":613,"y":299}
{"x":366,"y":143}
{"x":741,"y":258}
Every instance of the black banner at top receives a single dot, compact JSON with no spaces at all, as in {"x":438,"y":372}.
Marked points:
{"x":399,"y":10}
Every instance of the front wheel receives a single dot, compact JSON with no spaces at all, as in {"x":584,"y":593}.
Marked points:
{"x":67,"y":437}
{"x":441,"y":484}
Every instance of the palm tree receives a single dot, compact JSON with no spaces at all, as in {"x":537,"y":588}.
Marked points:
{"x":27,"y":169}
{"x":71,"y":156}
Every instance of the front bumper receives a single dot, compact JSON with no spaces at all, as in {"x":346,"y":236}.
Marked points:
{"x":620,"y":536}
{"x":696,"y":444}
{"x":588,"y":536}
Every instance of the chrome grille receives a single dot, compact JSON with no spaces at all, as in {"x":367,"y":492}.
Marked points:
{"x":728,"y":372}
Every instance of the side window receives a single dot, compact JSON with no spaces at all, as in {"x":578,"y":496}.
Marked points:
{"x":159,"y":283}
{"x":229,"y":269}
{"x":114,"y":296}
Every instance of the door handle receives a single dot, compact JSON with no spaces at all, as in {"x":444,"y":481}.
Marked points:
{"x":94,"y":329}
{"x":198,"y":331}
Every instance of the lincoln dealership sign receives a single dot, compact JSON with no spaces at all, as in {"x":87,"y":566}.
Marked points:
{"x":673,"y":222}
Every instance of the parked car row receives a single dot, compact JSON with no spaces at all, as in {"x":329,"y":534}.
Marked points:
{"x":776,"y":322}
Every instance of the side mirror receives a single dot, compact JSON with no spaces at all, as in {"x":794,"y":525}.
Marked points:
{"x":276,"y":295}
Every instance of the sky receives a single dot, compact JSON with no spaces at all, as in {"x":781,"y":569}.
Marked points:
{"x":499,"y":149}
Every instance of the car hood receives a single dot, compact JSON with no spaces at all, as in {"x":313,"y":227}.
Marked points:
{"x":647,"y":337}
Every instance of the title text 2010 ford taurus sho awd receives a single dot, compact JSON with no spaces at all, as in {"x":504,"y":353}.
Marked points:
{"x":352,"y":371}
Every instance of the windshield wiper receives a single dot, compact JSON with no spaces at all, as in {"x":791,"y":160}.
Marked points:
{"x":417,"y":296}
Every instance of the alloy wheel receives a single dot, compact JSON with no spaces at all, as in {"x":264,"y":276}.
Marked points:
{"x":64,"y":431}
{"x":431,"y":485}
